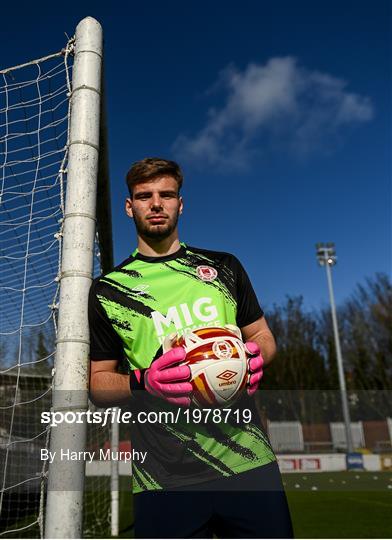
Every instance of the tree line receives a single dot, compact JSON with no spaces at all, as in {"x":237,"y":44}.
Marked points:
{"x":304,"y":372}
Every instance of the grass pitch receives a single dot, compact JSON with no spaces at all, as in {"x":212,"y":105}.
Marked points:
{"x":340,"y":505}
{"x":322,"y":505}
{"x":326,"y":505}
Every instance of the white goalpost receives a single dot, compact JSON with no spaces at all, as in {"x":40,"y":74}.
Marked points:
{"x":66,"y":478}
{"x":52,"y":162}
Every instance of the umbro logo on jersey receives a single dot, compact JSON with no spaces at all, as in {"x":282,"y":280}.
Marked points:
{"x":140,"y":289}
{"x":206,"y":273}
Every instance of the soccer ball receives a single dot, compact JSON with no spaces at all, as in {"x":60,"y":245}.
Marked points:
{"x":218,"y":362}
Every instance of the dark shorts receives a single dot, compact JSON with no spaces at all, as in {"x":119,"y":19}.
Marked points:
{"x":247,"y":505}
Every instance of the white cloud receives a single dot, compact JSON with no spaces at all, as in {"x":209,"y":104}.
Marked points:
{"x":279,"y":104}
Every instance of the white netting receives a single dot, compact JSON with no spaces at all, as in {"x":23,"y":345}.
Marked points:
{"x":34,"y":122}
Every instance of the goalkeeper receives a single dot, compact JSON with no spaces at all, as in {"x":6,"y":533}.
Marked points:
{"x":198,"y":480}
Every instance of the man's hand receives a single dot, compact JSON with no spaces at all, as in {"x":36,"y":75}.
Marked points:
{"x":255,"y":366}
{"x":170,"y":383}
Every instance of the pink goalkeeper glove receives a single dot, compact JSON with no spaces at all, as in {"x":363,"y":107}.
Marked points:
{"x":255,"y":367}
{"x":169,"y":383}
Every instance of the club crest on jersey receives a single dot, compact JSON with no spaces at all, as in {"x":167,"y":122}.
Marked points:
{"x":206,"y":273}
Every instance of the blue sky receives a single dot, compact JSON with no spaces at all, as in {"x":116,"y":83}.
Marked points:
{"x":279,"y":113}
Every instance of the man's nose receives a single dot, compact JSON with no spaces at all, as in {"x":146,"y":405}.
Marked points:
{"x":156,"y":202}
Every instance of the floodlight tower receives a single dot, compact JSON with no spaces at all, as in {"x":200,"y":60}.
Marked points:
{"x":326,"y":256}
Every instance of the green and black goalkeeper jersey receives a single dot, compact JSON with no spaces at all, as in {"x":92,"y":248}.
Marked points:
{"x":131,"y":310}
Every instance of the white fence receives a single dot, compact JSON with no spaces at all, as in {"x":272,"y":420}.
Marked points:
{"x":289,"y":437}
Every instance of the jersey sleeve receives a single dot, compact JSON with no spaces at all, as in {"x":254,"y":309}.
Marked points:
{"x":105,"y":343}
{"x":248,"y":307}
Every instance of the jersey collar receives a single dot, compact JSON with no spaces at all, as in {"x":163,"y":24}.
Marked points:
{"x":179,"y":253}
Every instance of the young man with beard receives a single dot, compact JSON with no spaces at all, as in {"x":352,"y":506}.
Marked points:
{"x":197,"y":479}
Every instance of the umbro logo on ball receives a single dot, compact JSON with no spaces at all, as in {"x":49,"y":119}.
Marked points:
{"x":226,"y":375}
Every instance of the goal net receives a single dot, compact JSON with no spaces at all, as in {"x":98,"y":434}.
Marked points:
{"x":35,"y":112}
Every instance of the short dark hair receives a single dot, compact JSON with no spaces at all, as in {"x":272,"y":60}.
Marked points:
{"x":149,"y":168}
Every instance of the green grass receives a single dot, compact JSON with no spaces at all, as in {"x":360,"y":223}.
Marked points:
{"x":322,"y":505}
{"x":344,"y":505}
{"x":340,"y":505}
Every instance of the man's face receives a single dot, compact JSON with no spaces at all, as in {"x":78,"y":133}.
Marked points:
{"x":155,"y":207}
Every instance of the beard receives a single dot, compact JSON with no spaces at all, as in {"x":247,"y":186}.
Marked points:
{"x":155,"y":232}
